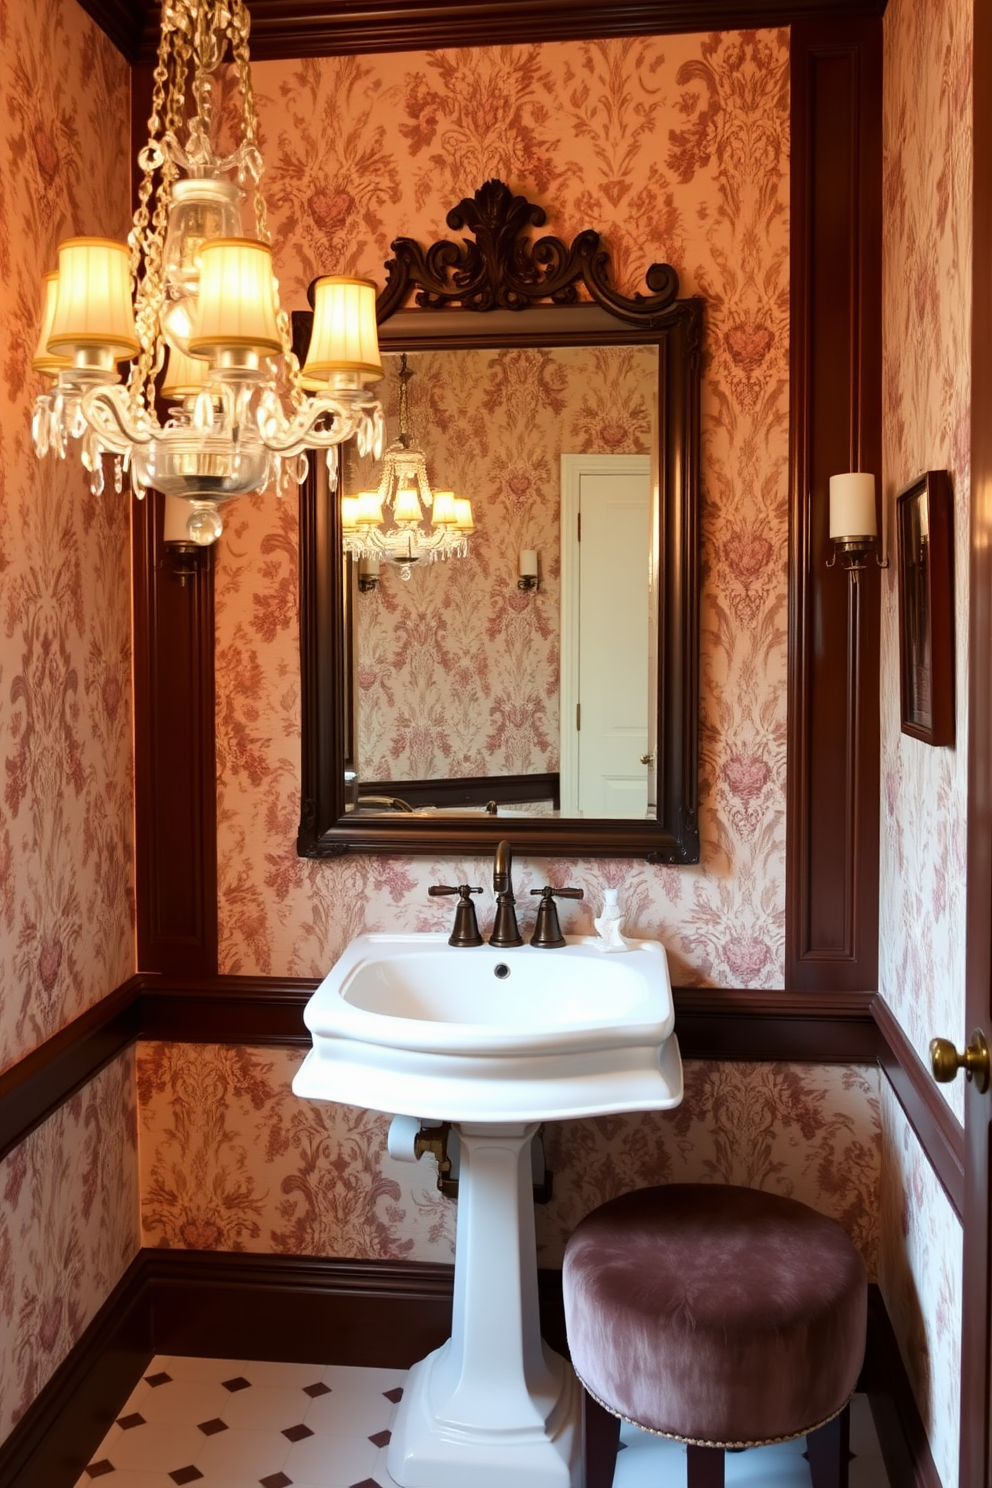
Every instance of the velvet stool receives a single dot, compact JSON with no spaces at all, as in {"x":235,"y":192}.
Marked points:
{"x":723,"y":1317}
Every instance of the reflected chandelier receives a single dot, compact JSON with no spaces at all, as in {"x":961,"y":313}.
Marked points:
{"x":193,"y":304}
{"x":404,"y":521}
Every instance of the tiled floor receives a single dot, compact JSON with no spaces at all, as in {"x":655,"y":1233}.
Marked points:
{"x":232,"y":1423}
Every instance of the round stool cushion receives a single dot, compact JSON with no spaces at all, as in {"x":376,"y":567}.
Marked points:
{"x":715,"y":1314}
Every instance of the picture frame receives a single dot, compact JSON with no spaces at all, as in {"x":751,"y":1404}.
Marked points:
{"x":924,"y":542}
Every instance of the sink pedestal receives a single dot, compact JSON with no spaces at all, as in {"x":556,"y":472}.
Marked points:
{"x":494,"y":1407}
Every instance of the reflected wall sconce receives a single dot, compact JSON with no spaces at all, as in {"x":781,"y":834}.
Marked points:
{"x":853,"y":523}
{"x":368,"y":575}
{"x":527,"y":569}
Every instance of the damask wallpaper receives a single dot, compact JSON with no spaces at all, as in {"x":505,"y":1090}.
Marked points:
{"x":68,"y":1230}
{"x":677,"y":148}
{"x":232,"y":1160}
{"x":921,"y":1277}
{"x":66,"y":879}
{"x":926,"y":415}
{"x":68,"y":1213}
{"x":457,"y":669}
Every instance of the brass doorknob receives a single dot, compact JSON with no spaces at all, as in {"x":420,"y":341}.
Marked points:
{"x":945,"y":1061}
{"x":647,"y":759}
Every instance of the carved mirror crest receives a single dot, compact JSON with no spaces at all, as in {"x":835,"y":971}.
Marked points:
{"x":494,"y":316}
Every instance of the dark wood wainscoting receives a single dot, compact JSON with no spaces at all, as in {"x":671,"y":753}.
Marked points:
{"x":308,"y":1310}
{"x":835,"y":426}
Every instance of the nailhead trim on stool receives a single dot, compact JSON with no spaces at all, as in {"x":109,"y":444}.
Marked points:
{"x":717,"y":1315}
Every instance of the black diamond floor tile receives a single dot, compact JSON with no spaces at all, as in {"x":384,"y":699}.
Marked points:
{"x":297,"y":1433}
{"x":381,"y":1438}
{"x":237,"y":1383}
{"x":315,"y":1391}
{"x":186,"y":1474}
{"x":99,"y":1469}
{"x":395,"y":1394}
{"x":211,"y":1428}
{"x":276,"y":1480}
{"x":128,"y":1423}
{"x":158,"y":1379}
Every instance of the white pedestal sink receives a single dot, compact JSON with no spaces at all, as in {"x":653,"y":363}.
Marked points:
{"x":495,"y":1041}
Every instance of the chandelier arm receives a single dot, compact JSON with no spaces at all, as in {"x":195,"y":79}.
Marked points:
{"x":292,"y":436}
{"x":109,"y":412}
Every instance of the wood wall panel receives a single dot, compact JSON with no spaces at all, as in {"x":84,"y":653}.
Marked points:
{"x":833,"y":735}
{"x":175,"y":786}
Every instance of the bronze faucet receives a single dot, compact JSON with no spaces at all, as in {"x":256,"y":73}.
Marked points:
{"x":505,"y":932}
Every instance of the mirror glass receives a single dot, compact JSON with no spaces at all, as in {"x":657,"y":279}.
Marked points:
{"x":437,"y":705}
{"x":458,"y":695}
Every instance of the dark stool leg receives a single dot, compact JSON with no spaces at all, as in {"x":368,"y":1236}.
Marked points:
{"x":828,"y":1452}
{"x":602,"y":1439}
{"x":704,"y":1467}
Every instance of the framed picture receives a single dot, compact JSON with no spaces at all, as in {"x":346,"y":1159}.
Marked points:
{"x":926,"y":608}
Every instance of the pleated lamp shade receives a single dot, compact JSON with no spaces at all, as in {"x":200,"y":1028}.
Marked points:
{"x":344,"y":337}
{"x":236,"y":309}
{"x":464,"y":520}
{"x":44,"y":360}
{"x":93,"y":309}
{"x":184,"y":375}
{"x":443,"y":509}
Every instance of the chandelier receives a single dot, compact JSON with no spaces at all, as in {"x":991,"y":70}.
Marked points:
{"x":213,"y":404}
{"x":404,"y":521}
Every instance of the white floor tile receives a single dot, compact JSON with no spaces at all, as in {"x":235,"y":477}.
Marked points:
{"x":263,"y":1408}
{"x":333,"y":1461}
{"x":348,"y":1413}
{"x":341,"y":1377}
{"x":341,"y":1417}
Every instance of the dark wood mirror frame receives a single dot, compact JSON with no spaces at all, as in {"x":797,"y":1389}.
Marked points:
{"x":488,"y":293}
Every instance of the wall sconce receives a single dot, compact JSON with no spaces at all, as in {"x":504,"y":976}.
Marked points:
{"x":853,"y":524}
{"x":368,"y":575}
{"x":527,"y":569}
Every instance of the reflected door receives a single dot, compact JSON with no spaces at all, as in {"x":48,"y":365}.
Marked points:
{"x":606,"y":605}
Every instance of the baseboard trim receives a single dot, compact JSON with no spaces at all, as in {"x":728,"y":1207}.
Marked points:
{"x":901,"y":1433}
{"x":55,"y":1438}
{"x":310,"y":1310}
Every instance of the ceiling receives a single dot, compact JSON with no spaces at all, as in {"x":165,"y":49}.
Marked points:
{"x":297,"y":28}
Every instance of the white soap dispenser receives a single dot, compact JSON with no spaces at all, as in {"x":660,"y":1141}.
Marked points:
{"x":609,"y":923}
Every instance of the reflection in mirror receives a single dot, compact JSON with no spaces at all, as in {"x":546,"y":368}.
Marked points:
{"x":465,"y":679}
{"x":457,"y":669}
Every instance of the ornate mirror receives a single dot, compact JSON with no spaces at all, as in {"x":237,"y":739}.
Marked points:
{"x":449,"y":703}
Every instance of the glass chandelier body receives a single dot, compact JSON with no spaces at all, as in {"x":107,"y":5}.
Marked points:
{"x":193,"y":304}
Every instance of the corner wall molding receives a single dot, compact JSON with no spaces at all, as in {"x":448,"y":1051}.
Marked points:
{"x":937,"y":1129}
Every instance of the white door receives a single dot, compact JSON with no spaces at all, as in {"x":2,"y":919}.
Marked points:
{"x":606,"y":603}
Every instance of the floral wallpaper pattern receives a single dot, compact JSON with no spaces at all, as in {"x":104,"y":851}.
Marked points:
{"x":65,"y":689}
{"x":232,"y":1160}
{"x":457,"y":669}
{"x":926,"y":414}
{"x":677,"y":148}
{"x":68,"y":1230}
{"x":927,"y":123}
{"x":921,"y":1276}
{"x":69,"y":1207}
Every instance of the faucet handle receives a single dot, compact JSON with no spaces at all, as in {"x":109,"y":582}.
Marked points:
{"x":547,"y":931}
{"x":466,"y":928}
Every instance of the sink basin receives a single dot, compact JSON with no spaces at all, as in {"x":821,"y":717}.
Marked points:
{"x":410,"y":1025}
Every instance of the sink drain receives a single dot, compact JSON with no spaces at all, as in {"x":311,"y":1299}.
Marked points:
{"x":501,"y":970}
